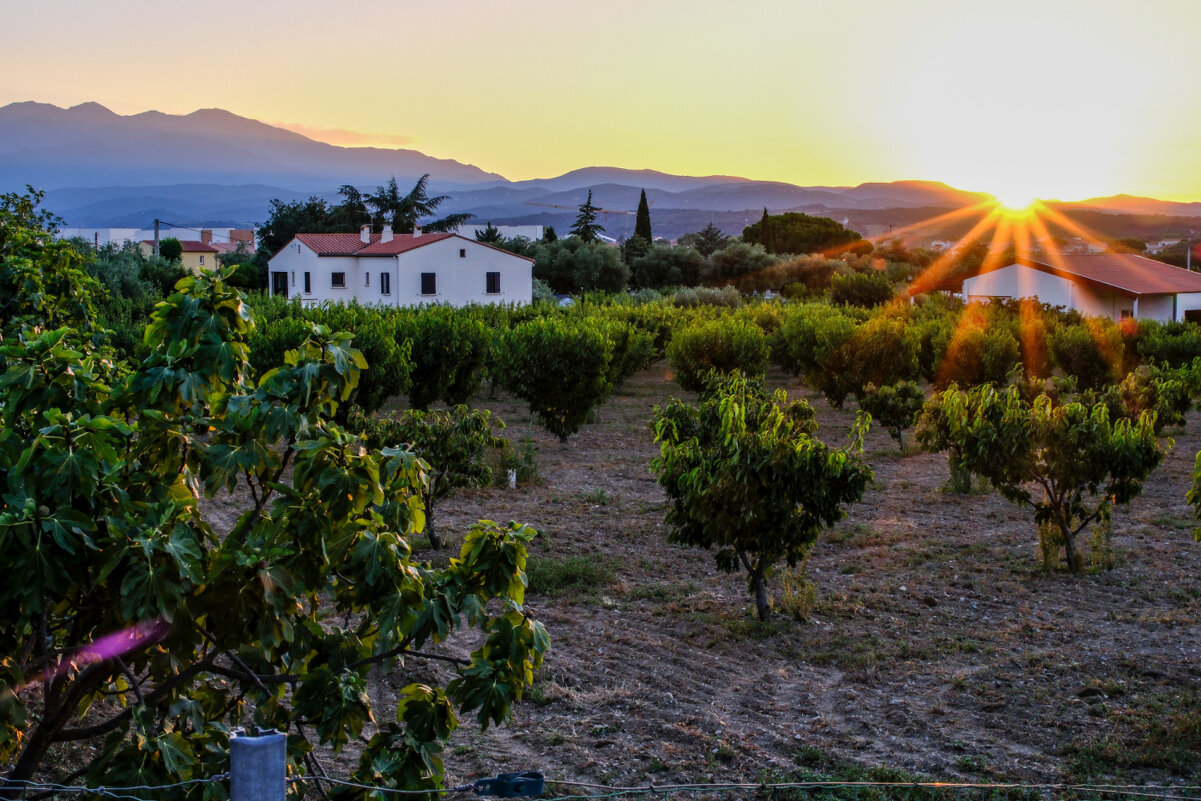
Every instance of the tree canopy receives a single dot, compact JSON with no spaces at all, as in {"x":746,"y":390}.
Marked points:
{"x":149,"y":630}
{"x":793,"y":232}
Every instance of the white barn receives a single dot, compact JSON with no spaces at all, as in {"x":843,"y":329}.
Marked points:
{"x":399,"y":270}
{"x":1104,"y":285}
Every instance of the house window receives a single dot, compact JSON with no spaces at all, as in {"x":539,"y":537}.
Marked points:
{"x":367,"y":278}
{"x":429,"y":283}
{"x":385,"y":283}
{"x":1126,"y":313}
{"x":492,"y":281}
{"x":462,"y":253}
{"x":202,"y":260}
{"x":293,"y":278}
{"x":337,"y":280}
{"x":308,"y":283}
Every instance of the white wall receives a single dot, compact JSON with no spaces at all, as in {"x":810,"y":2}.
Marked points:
{"x":460,"y":280}
{"x":1020,"y":281}
{"x":1187,"y":301}
{"x":1155,"y":307}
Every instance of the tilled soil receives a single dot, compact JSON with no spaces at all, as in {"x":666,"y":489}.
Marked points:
{"x":938,"y":644}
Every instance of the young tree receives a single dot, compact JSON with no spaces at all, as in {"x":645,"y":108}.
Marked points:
{"x":793,"y":232}
{"x":286,"y":220}
{"x":746,"y":477}
{"x":454,"y":443}
{"x":894,"y":406}
{"x":560,"y":367}
{"x":707,"y":241}
{"x":1069,"y":462}
{"x":148,"y":632}
{"x":490,"y":235}
{"x":642,"y":220}
{"x":585,"y":226}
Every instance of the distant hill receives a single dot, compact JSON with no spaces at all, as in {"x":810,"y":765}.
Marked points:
{"x":89,"y":146}
{"x":212,"y":167}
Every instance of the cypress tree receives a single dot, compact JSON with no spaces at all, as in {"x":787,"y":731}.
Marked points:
{"x":642,"y":223}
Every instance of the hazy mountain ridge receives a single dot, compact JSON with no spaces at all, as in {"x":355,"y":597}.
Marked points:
{"x":100,"y":168}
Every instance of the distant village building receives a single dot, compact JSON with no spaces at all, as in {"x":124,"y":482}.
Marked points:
{"x":399,"y":270}
{"x":1106,"y":285}
{"x":201,"y":254}
{"x":531,"y":232}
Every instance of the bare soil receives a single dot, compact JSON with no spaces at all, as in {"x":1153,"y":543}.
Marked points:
{"x":938,"y":645}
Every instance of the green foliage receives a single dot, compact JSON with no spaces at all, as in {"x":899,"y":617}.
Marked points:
{"x":881,"y":351}
{"x":403,"y":212}
{"x":166,"y":632}
{"x":664,"y":266}
{"x":490,"y":235}
{"x":1082,"y":462}
{"x":585,"y":227}
{"x":746,"y":478}
{"x":561,"y":368}
{"x":722,"y":345}
{"x":449,"y":348}
{"x":894,"y":406}
{"x":737,"y":263}
{"x":808,"y":337}
{"x":1091,"y":352}
{"x":286,"y":220}
{"x":455,"y":443}
{"x":726,"y":297}
{"x":793,"y":232}
{"x":571,"y":265}
{"x":1174,"y":344}
{"x":866,"y":290}
{"x":706,"y":241}
{"x":170,"y":249}
{"x":982,"y":350}
{"x":577,"y":575}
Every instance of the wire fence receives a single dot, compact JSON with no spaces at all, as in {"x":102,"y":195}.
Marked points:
{"x":564,"y":790}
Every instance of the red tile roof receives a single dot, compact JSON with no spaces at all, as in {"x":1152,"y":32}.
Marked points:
{"x":400,"y":243}
{"x":1127,"y":273}
{"x":1120,"y":272}
{"x":334,"y":244}
{"x":352,"y":244}
{"x":189,"y":245}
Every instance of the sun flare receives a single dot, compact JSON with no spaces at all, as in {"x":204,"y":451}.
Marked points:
{"x":1015,"y":203}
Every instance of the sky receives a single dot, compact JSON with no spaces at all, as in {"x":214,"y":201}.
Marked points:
{"x":1051,"y":99}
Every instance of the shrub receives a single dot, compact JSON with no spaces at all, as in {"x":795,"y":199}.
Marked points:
{"x":1091,"y":352}
{"x":449,"y":350}
{"x":561,"y":368}
{"x":866,"y":290}
{"x":723,"y":345}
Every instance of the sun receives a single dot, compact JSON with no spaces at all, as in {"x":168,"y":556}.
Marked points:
{"x":1015,"y":203}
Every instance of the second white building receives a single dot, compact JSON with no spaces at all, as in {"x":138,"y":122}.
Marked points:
{"x":399,"y":270}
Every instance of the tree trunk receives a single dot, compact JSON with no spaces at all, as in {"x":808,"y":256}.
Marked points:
{"x":1069,"y":542}
{"x":435,"y":540}
{"x":759,"y":583}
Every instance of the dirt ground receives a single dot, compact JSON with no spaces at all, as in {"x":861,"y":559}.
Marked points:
{"x":938,"y":645}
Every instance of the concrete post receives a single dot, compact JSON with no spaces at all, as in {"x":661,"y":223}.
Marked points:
{"x":257,"y":767}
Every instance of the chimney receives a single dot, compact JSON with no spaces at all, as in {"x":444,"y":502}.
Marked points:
{"x":206,"y":236}
{"x":416,"y":231}
{"x":365,"y":234}
{"x":386,"y":236}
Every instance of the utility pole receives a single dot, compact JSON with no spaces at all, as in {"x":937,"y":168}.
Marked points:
{"x":156,"y":236}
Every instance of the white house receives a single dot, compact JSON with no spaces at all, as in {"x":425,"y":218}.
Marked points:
{"x":399,"y":270}
{"x":1110,"y":285}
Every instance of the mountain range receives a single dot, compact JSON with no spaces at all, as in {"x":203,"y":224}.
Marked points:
{"x":212,"y":167}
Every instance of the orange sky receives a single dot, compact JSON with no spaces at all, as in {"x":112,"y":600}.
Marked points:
{"x":1054,"y":98}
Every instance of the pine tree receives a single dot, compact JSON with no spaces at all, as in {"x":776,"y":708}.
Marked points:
{"x":490,"y":235}
{"x":586,"y":227}
{"x":549,"y":234}
{"x":642,"y":223}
